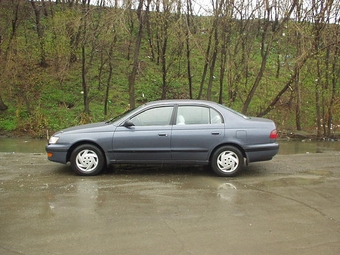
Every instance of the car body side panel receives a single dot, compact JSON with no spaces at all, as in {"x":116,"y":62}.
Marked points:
{"x":259,"y":146}
{"x":195,"y":142}
{"x":141,"y":144}
{"x":254,"y":142}
{"x":69,"y":140}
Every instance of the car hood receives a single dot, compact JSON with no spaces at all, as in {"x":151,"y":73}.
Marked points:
{"x":87,"y":128}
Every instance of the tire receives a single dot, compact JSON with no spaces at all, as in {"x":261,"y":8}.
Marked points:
{"x":227,"y":161}
{"x":87,"y":160}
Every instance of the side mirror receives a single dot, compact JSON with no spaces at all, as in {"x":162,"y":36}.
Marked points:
{"x":128,"y":124}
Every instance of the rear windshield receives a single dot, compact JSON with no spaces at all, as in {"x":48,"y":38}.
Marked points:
{"x":236,"y":112}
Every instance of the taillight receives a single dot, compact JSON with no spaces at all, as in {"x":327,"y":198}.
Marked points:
{"x":274,"y":134}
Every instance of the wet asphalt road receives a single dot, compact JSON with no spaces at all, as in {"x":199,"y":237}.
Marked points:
{"x":289,"y":205}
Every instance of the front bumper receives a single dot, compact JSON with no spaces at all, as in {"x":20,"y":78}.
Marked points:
{"x":57,"y":153}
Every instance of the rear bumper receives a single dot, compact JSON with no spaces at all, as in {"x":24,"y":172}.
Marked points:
{"x":261,"y":152}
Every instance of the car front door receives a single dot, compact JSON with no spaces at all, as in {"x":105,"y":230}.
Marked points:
{"x":197,"y":131}
{"x":147,"y":140}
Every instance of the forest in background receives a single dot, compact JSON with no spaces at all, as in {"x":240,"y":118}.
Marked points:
{"x":70,"y":62}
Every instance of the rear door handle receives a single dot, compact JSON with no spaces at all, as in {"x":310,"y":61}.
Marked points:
{"x":162,"y":134}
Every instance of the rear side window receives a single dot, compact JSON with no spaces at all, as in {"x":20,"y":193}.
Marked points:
{"x":193,"y":115}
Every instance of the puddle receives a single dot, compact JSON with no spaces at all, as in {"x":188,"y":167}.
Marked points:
{"x":27,"y":145}
{"x":324,"y":173}
{"x":22,"y":145}
{"x":299,"y":147}
{"x":291,"y":181}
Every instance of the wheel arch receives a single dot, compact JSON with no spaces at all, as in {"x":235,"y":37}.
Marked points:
{"x":75,"y":145}
{"x":228,"y":144}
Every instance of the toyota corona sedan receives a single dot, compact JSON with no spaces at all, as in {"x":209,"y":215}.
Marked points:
{"x":168,"y":132}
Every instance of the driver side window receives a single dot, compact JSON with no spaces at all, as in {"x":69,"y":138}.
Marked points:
{"x":160,"y":116}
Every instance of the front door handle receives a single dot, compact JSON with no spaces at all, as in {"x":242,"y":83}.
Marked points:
{"x":215,"y":133}
{"x":162,"y":134}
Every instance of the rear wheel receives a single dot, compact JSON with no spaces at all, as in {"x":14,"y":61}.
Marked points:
{"x":227,"y":161}
{"x":87,"y":159}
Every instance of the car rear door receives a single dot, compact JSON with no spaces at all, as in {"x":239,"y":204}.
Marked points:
{"x":197,"y":131}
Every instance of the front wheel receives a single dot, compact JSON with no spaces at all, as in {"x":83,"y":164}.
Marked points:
{"x":87,"y":159}
{"x":227,"y":161}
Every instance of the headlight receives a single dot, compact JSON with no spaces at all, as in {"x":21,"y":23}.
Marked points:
{"x":53,"y":140}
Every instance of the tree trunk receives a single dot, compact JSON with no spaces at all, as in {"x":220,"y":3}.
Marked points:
{"x":83,"y":59}
{"x":74,"y":33}
{"x":212,"y":68}
{"x":334,"y":89}
{"x":265,"y":49}
{"x":108,"y":88}
{"x":40,"y":31}
{"x":298,"y":87}
{"x":318,"y":27}
{"x":188,"y":50}
{"x":133,"y":74}
{"x":223,"y":66}
{"x":164,"y":69}
{"x":298,"y":66}
{"x":84,"y":81}
{"x":297,"y":71}
{"x":163,"y":53}
{"x":206,"y":64}
{"x":298,"y":101}
{"x":3,"y":107}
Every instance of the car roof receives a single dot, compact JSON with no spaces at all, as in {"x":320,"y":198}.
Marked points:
{"x":182,"y":101}
{"x":215,"y":105}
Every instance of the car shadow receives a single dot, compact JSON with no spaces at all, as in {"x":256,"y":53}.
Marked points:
{"x":252,"y":170}
{"x":140,"y":169}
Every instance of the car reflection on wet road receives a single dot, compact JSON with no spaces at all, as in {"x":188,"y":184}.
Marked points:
{"x":286,"y":206}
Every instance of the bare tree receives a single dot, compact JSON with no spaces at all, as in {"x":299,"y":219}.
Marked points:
{"x":164,"y":37}
{"x":3,"y":107}
{"x":138,"y":41}
{"x":321,"y":12}
{"x":108,"y":52}
{"x":188,"y":46}
{"x":227,"y":10}
{"x":40,"y":32}
{"x":85,"y":10}
{"x":326,"y":62}
{"x":207,"y":58}
{"x":74,"y":31}
{"x":270,"y":30}
{"x":6,"y":38}
{"x":299,"y":49}
{"x":298,"y":65}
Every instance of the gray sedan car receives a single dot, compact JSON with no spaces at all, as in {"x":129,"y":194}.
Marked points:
{"x":171,"y":131}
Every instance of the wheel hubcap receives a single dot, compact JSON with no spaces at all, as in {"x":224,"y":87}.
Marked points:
{"x":227,"y":161}
{"x":87,"y":160}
